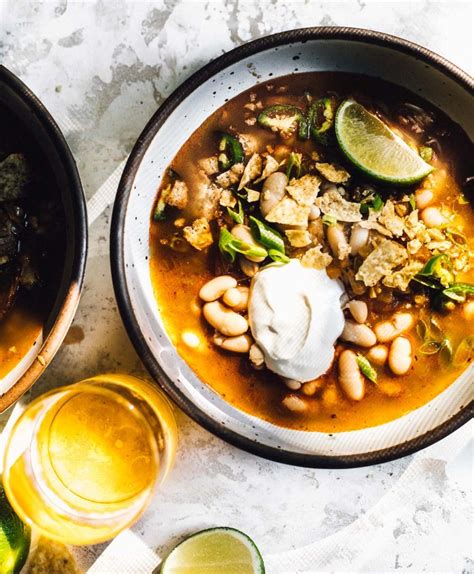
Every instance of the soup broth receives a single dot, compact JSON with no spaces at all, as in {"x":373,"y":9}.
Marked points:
{"x":440,"y":331}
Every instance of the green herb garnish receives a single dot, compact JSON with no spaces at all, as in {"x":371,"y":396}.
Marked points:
{"x":366,"y":368}
{"x":329,"y":220}
{"x":230,"y":246}
{"x":278,"y":256}
{"x":237,"y":216}
{"x":464,"y":352}
{"x":412,"y":202}
{"x":375,"y":203}
{"x":266,"y":235}
{"x":293,"y":166}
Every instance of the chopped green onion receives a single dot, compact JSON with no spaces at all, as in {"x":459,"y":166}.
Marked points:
{"x":366,"y":368}
{"x":304,"y":131}
{"x":412,"y":202}
{"x":329,"y":220}
{"x":426,"y":153}
{"x":266,"y":235}
{"x":430,"y":348}
{"x":230,"y":245}
{"x":159,"y":213}
{"x":293,"y":165}
{"x":231,"y":151}
{"x":374,"y":202}
{"x":437,"y":272}
{"x":464,"y":352}
{"x":458,"y":291}
{"x":456,"y":236}
{"x":278,"y":256}
{"x":237,"y":216}
{"x":446,"y":354}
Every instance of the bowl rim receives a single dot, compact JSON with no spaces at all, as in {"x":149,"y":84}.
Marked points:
{"x":65,"y":310}
{"x":117,"y":259}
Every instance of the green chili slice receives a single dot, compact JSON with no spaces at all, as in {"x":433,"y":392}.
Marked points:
{"x":159,"y":214}
{"x":458,"y":291}
{"x":230,"y":246}
{"x":321,"y":119}
{"x":293,"y":165}
{"x":437,"y":272}
{"x":266,"y":235}
{"x":230,"y":151}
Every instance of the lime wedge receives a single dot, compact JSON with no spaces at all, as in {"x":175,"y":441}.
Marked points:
{"x":215,"y":551}
{"x":14,"y":539}
{"x":375,"y":149}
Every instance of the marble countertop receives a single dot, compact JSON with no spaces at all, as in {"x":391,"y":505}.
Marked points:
{"x":102,"y":68}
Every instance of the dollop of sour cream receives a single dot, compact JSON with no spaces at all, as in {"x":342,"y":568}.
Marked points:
{"x":295,"y":317}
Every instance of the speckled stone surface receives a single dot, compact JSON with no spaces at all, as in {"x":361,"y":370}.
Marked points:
{"x":102,"y":68}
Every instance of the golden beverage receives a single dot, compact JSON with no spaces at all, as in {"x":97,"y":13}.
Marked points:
{"x":82,"y":462}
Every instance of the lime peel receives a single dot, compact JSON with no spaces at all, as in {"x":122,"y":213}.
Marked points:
{"x":214,"y":551}
{"x":375,"y":149}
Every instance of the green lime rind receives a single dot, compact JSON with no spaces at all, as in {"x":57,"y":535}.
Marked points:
{"x":191,"y":556}
{"x":14,"y":538}
{"x":371,"y":146}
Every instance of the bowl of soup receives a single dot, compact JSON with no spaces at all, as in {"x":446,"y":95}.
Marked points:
{"x":43,"y":238}
{"x":292,"y":247}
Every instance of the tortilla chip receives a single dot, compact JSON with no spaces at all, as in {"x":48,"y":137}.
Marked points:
{"x":332,"y":203}
{"x":288,"y":212}
{"x":298,"y":237}
{"x":252,"y":195}
{"x":252,"y":170}
{"x":333,"y":173}
{"x":271,"y":165}
{"x":390,"y":220}
{"x":178,"y":195}
{"x":227,"y":199}
{"x":231,"y":176}
{"x":401,"y":279}
{"x":210,"y":165}
{"x":315,"y":258}
{"x":198,"y":234}
{"x":385,"y":257}
{"x":305,"y":189}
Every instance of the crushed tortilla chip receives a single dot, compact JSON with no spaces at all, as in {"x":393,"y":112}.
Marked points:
{"x":413,"y":246}
{"x":401,"y":279}
{"x":372,"y":224}
{"x":385,"y":257}
{"x":227,"y":198}
{"x":305,"y":189}
{"x":289,"y":212}
{"x":315,"y":258}
{"x":333,"y":173}
{"x":51,"y":557}
{"x":198,"y":234}
{"x":332,"y":203}
{"x":252,"y":195}
{"x":178,"y":195}
{"x":231,"y":176}
{"x":298,"y":237}
{"x":390,"y":220}
{"x":252,"y":170}
{"x":209,"y":165}
{"x":271,"y":165}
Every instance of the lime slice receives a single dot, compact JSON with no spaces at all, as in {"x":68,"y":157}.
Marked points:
{"x":215,"y":551}
{"x":14,"y":539}
{"x":375,"y":149}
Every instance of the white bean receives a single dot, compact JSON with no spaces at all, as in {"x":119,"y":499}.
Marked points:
{"x":294,"y":403}
{"x":337,"y":241}
{"x":291,"y":384}
{"x":232,"y":297}
{"x":310,"y":388}
{"x":244,"y":298}
{"x":358,"y":310}
{"x":432,"y":217}
{"x":357,"y":334}
{"x":350,"y":377}
{"x":216,"y":287}
{"x":378,"y":355}
{"x":423,"y":198}
{"x":387,"y":330}
{"x":314,"y":213}
{"x":468,"y":310}
{"x":225,"y":320}
{"x":249,"y":268}
{"x":239,"y":344}
{"x":359,"y":239}
{"x":243,"y":233}
{"x":273,"y":191}
{"x":256,"y":357}
{"x":399,"y":356}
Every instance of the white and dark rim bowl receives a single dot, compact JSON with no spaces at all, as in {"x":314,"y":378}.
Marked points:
{"x":36,"y":120}
{"x":304,"y":50}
